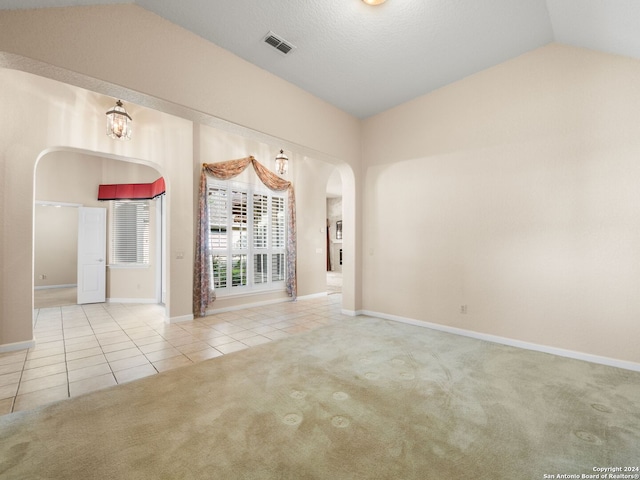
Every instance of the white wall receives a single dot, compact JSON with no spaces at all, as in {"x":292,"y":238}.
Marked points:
{"x":513,"y":192}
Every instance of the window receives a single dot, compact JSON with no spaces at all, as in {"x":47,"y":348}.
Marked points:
{"x":130,"y":232}
{"x":247,"y":238}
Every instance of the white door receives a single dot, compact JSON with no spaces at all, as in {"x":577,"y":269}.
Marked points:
{"x":92,"y":249}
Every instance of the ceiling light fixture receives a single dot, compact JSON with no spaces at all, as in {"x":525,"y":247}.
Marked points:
{"x":119,"y":122}
{"x":374,"y":2}
{"x":282,"y":163}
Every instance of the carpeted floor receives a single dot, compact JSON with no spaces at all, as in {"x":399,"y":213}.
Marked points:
{"x":368,"y":399}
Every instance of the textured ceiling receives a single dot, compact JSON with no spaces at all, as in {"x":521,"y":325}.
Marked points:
{"x":366,"y":59}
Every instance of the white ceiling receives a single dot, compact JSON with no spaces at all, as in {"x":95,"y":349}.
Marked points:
{"x":366,"y":59}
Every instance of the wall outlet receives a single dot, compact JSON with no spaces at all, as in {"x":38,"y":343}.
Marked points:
{"x":43,"y":276}
{"x":463,"y":309}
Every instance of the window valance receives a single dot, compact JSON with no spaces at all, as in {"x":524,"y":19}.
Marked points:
{"x":131,"y":191}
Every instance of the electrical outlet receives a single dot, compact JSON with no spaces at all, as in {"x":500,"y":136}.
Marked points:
{"x":463,"y":309}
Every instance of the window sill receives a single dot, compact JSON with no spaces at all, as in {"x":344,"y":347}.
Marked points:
{"x":249,"y":293}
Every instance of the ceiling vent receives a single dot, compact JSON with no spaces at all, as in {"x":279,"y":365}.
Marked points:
{"x":279,"y":43}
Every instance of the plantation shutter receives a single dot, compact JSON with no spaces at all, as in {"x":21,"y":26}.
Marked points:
{"x":247,"y":238}
{"x":278,"y":239}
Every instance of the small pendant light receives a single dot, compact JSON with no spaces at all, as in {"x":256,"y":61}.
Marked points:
{"x":119,"y":123}
{"x":282,"y":163}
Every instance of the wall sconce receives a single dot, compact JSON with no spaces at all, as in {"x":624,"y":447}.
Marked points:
{"x":282,"y":163}
{"x":119,"y":123}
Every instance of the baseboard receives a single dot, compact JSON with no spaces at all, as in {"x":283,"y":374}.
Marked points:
{"x":587,"y":357}
{"x":351,"y":313}
{"x":12,"y":347}
{"x":244,"y":306}
{"x":313,"y":295}
{"x":132,"y":300}
{"x":183,"y":318}
{"x":46,"y":287}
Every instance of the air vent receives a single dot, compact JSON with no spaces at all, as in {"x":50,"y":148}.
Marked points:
{"x":279,"y":43}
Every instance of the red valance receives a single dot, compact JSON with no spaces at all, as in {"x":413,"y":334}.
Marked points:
{"x":131,"y":191}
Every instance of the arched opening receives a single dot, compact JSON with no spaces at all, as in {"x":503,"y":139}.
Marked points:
{"x":334,"y":233}
{"x":67,"y":179}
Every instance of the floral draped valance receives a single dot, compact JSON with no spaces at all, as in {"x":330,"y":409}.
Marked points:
{"x":203,"y":292}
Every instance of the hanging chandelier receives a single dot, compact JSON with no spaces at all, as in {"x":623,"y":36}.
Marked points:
{"x":282,"y":163}
{"x":119,"y":123}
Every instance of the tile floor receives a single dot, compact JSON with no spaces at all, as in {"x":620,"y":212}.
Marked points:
{"x":81,"y":348}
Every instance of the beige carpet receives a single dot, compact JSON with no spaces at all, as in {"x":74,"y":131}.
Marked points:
{"x":368,"y":399}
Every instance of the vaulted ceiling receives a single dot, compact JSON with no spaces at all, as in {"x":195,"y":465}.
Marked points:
{"x":365,"y":59}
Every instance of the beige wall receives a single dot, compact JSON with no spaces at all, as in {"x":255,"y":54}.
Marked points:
{"x":41,"y":117}
{"x":129,"y":46}
{"x":125,"y":50}
{"x":70,"y":162}
{"x":55,"y":246}
{"x":513,"y":192}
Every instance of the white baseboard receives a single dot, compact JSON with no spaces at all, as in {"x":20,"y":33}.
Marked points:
{"x":183,"y":318}
{"x":244,"y":306}
{"x":12,"y":347}
{"x":351,"y":313}
{"x":132,"y":300}
{"x":313,"y":295}
{"x":46,"y":287}
{"x":587,"y":357}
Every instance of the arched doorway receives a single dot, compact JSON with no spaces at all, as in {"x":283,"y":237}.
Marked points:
{"x":334,"y":233}
{"x":66,"y":179}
